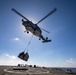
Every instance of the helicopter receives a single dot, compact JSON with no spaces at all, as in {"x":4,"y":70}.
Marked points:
{"x":34,"y":28}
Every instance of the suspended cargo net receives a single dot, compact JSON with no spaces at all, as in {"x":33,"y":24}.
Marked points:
{"x":25,"y":56}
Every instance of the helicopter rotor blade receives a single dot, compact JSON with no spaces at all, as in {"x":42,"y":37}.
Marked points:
{"x":45,"y":30}
{"x":19,"y":14}
{"x":48,"y":15}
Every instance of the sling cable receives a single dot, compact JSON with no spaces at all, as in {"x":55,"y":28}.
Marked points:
{"x":25,"y":56}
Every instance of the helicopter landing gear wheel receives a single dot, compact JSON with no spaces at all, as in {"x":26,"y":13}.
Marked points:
{"x":22,"y":20}
{"x":39,"y":38}
{"x":27,"y":31}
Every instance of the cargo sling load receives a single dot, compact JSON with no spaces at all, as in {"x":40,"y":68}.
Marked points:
{"x":24,"y":56}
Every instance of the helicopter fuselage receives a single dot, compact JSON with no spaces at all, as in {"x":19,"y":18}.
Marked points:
{"x":33,"y":28}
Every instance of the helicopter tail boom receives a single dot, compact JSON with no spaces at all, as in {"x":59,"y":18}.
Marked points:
{"x":46,"y":41}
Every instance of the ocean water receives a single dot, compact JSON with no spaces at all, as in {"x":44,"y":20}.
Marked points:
{"x":64,"y":69}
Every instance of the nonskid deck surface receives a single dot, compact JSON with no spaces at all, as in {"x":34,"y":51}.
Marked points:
{"x":14,"y":70}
